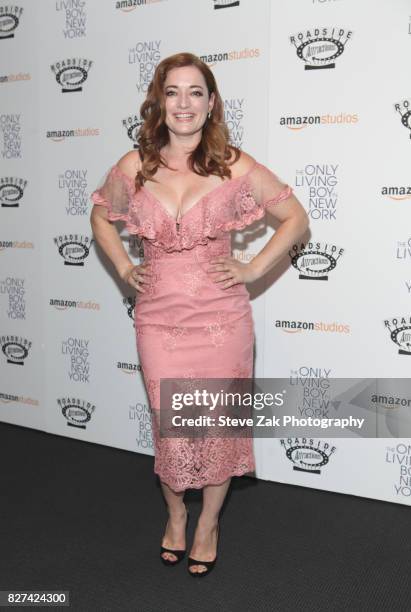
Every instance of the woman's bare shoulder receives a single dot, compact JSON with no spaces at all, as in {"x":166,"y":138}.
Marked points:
{"x":243,"y":164}
{"x":130,"y":163}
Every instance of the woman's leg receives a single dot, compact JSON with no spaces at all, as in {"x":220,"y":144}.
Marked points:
{"x":205,"y":537}
{"x":174,"y":536}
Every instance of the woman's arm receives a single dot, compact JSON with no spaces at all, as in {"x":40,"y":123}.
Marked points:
{"x":105,"y":232}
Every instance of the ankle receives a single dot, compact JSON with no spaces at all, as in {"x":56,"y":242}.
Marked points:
{"x":207,"y":523}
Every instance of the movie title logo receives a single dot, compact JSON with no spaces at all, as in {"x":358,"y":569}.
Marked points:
{"x":139,"y":414}
{"x":132,"y":125}
{"x":306,"y":454}
{"x":9,"y":20}
{"x":78,"y":351}
{"x":75,"y":17}
{"x":320,"y":181}
{"x":77,"y":412}
{"x":400,"y":456}
{"x":74,"y":182}
{"x":15,"y":348}
{"x":400,"y":333}
{"x":315,"y":260}
{"x":145,"y":55}
{"x":73,"y":248}
{"x":71,"y":73}
{"x":11,"y":191}
{"x":12,"y":140}
{"x":403,"y":250}
{"x":15,"y":290}
{"x":234,"y":117}
{"x":319,"y":48}
{"x":315,"y":386}
{"x":404,"y":110}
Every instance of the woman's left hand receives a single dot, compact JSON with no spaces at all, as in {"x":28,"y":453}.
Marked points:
{"x":231,"y":272}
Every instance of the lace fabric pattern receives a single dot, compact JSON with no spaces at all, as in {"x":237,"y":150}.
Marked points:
{"x":186,"y":325}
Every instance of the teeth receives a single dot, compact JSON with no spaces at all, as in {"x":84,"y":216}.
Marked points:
{"x":184,"y":116}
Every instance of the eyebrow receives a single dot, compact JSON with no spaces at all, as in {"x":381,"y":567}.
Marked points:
{"x":191,"y":86}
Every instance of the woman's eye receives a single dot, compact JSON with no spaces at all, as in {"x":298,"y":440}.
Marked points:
{"x":198,"y":93}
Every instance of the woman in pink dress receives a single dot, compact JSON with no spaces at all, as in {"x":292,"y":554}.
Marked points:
{"x":183,"y":192}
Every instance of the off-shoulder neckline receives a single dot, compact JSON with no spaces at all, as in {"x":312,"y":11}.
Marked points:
{"x":198,"y":201}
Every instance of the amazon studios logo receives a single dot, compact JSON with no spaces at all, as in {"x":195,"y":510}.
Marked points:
{"x":9,"y":20}
{"x":11,"y":191}
{"x":319,"y":48}
{"x":71,"y":73}
{"x":315,"y":260}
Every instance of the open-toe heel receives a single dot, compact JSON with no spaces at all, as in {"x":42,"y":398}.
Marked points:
{"x":208,"y":564}
{"x":178,"y":553}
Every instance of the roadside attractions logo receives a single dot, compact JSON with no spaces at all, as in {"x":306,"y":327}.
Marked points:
{"x":9,"y":19}
{"x":76,"y":411}
{"x":315,"y":260}
{"x":307,"y":454}
{"x":400,"y":333}
{"x":320,"y":181}
{"x":220,"y":4}
{"x":404,"y":110}
{"x":132,"y":125}
{"x":130,"y":303}
{"x":11,"y":191}
{"x":73,"y":248}
{"x":15,"y":348}
{"x":318,"y":48}
{"x":71,"y":73}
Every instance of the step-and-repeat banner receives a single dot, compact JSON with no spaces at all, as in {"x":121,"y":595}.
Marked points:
{"x":314,"y":89}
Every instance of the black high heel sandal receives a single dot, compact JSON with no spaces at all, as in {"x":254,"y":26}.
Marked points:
{"x":208,"y":564}
{"x":178,"y":553}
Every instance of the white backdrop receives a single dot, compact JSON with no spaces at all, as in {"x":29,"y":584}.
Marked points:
{"x":73,"y":74}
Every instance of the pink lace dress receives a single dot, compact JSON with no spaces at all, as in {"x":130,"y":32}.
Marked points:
{"x":186,"y":325}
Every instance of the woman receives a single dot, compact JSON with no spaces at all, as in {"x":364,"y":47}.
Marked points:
{"x":183,"y":192}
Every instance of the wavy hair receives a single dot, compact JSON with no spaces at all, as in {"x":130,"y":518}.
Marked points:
{"x":212,"y":152}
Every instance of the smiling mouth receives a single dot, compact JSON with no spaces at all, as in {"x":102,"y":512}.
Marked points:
{"x":184,"y":116}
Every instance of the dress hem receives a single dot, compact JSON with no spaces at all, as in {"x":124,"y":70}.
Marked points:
{"x":219,"y":482}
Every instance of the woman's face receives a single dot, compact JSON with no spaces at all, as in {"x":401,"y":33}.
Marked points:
{"x":187,"y":101}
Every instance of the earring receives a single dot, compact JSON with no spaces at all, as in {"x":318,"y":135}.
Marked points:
{"x":209,"y":114}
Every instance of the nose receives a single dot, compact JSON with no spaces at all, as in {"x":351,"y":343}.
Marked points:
{"x":183,"y":100}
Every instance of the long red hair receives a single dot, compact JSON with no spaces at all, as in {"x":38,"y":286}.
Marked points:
{"x":213,"y":151}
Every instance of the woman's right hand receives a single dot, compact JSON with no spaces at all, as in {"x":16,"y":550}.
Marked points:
{"x":137,"y":276}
